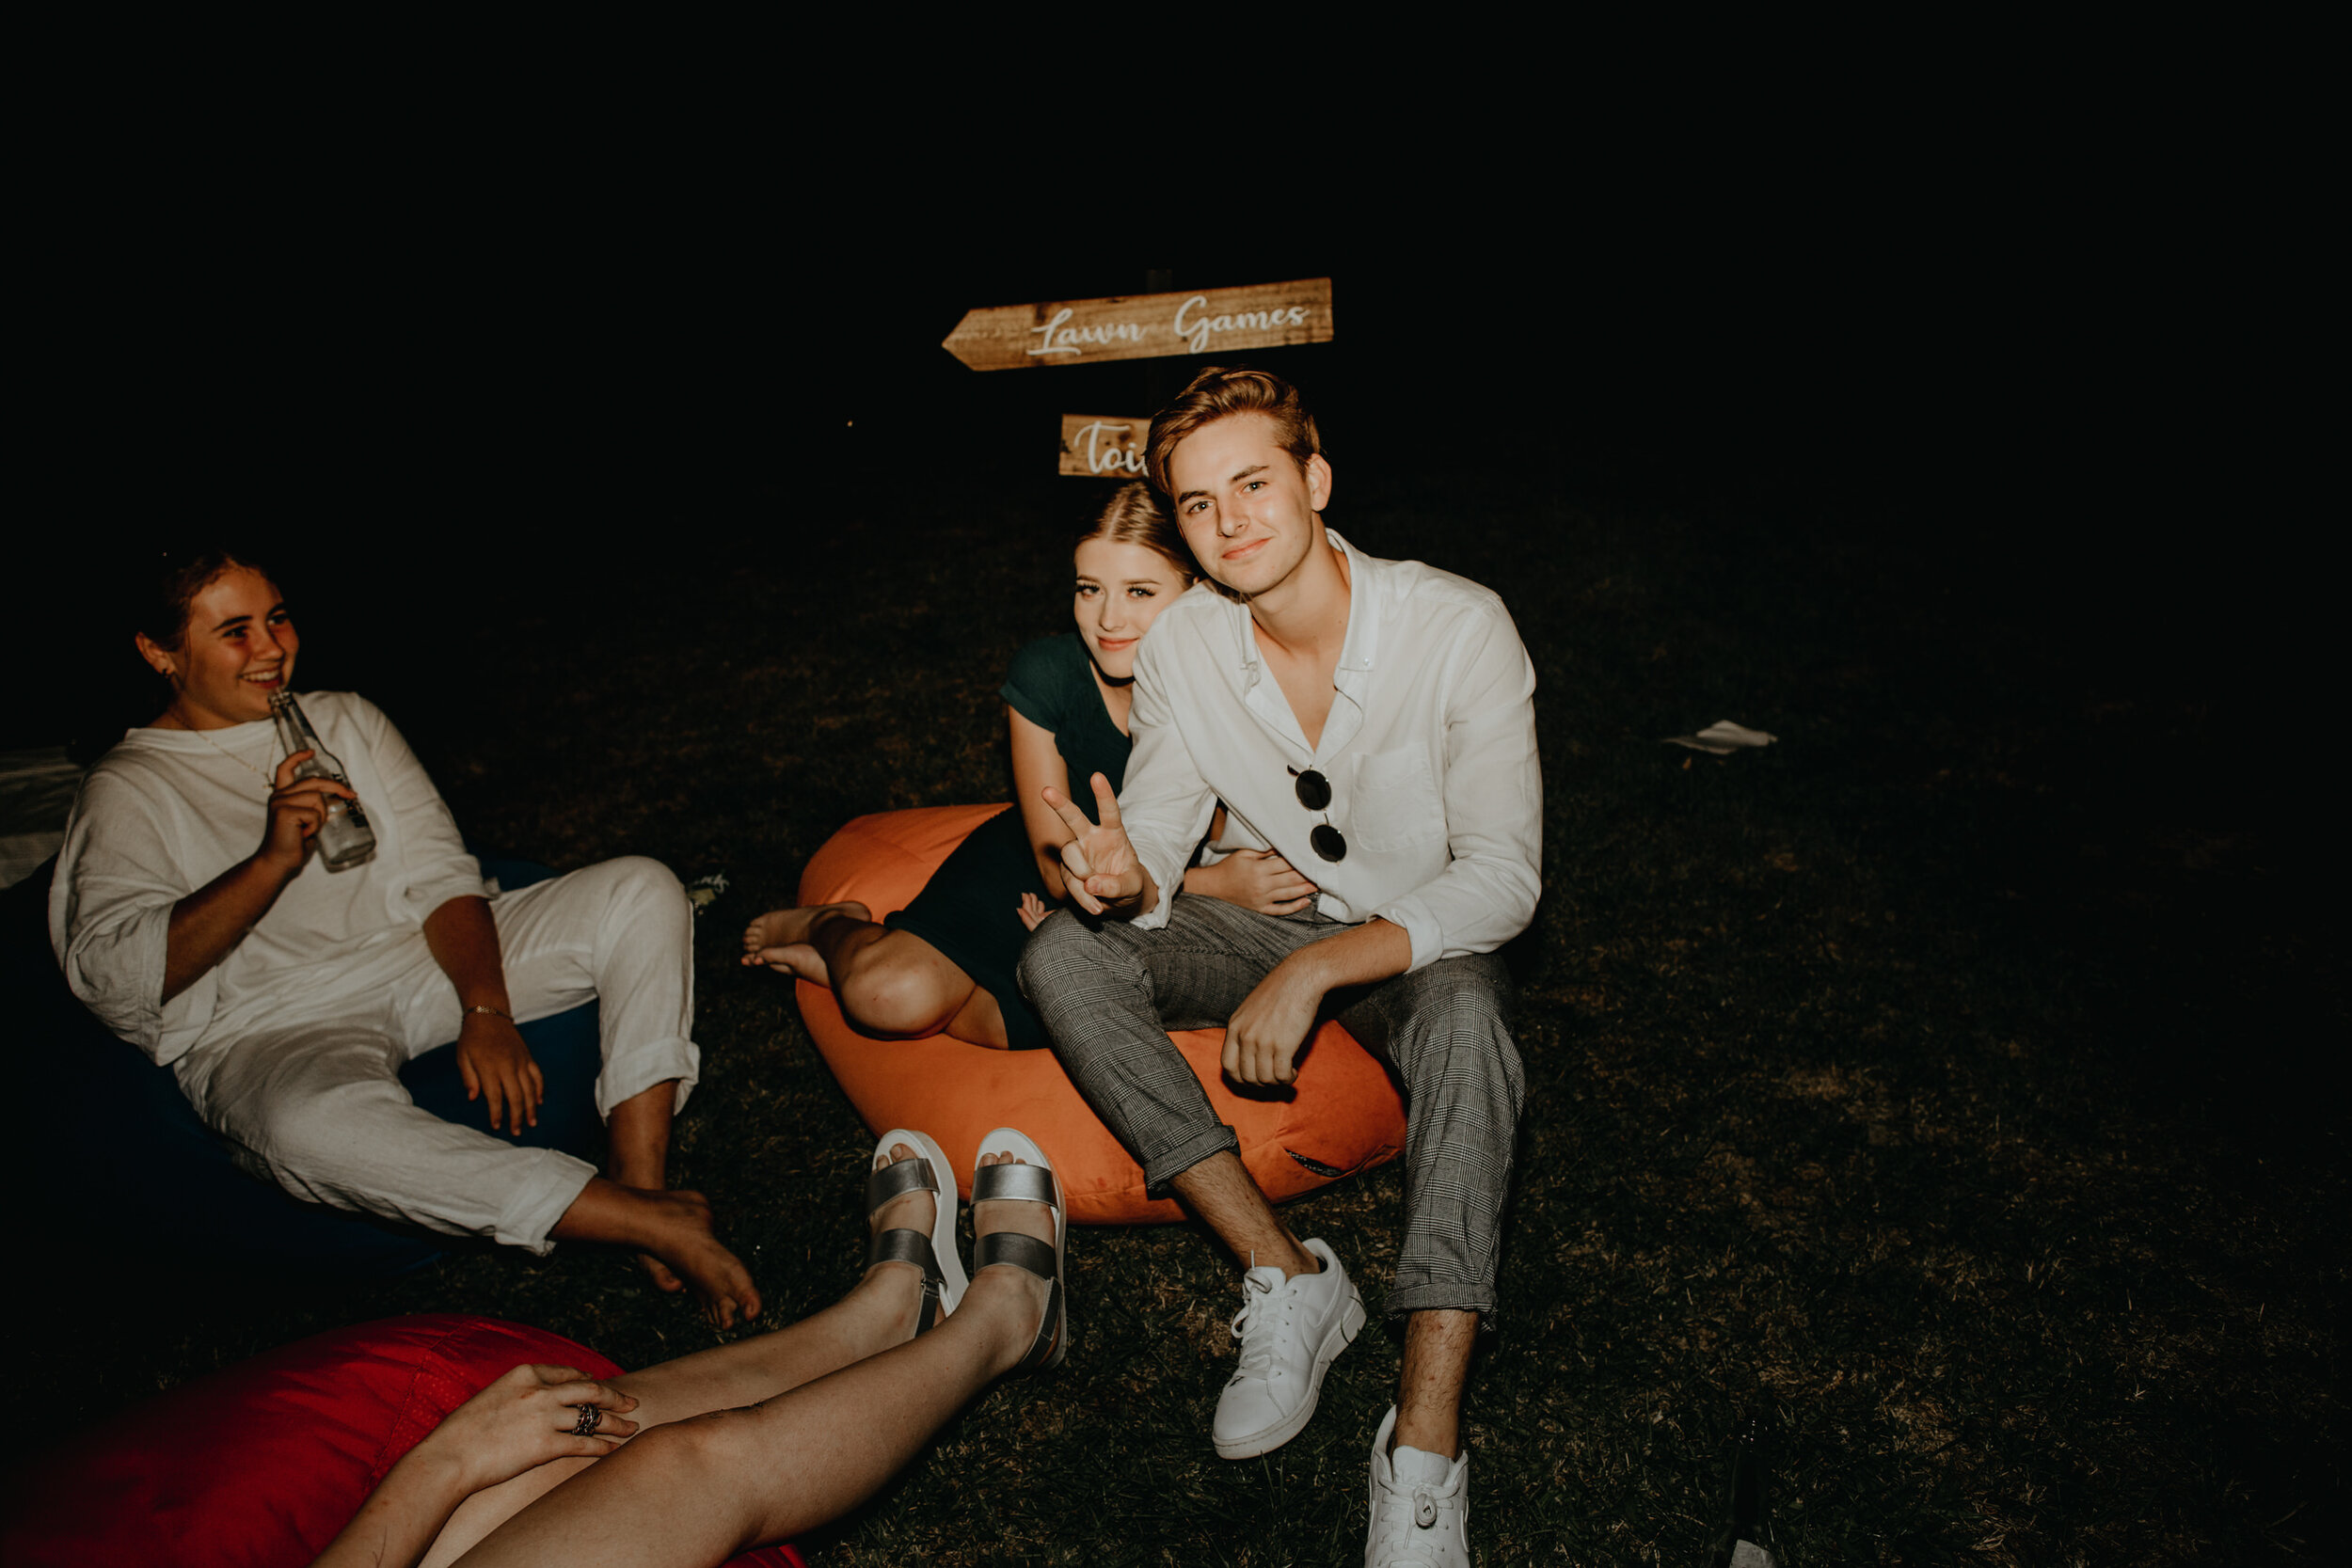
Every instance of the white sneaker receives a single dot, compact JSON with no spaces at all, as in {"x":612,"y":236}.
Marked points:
{"x":1418,"y":1521}
{"x":1290,"y":1332}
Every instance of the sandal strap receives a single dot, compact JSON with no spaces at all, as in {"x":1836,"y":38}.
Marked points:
{"x":1021,"y":1252}
{"x":913,"y":1246}
{"x":1027,"y":1252}
{"x":904,"y":1246}
{"x":895,"y":1180}
{"x":1018,"y":1183}
{"x":1046,"y":1350}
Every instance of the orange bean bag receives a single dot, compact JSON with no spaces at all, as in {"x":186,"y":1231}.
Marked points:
{"x":1344,"y":1116}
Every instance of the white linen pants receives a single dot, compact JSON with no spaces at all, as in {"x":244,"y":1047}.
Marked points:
{"x":312,"y":1100}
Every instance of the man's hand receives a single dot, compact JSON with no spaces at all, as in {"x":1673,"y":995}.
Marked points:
{"x":497,"y":1065}
{"x":1100,"y":870}
{"x":298,"y":810}
{"x":1263,"y":1037}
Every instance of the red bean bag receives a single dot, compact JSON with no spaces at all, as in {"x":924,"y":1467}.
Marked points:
{"x":1344,"y":1115}
{"x":263,"y":1463}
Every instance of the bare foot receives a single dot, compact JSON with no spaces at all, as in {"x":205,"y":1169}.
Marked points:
{"x":1031,"y":1219}
{"x":639,"y":1158}
{"x":901,"y":1284}
{"x":679,"y":1241}
{"x":779,"y":938}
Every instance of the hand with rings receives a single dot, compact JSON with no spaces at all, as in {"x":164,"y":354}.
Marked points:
{"x":530,"y":1416}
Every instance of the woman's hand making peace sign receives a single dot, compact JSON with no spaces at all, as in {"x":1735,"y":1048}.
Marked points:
{"x":1102,"y":874}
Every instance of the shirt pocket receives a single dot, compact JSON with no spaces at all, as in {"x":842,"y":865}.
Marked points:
{"x":1395,"y":803}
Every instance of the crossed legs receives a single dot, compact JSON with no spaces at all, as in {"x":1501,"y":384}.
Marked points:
{"x":766,"y":1438}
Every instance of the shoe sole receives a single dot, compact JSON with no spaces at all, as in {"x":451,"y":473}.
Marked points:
{"x":1343,"y":1334}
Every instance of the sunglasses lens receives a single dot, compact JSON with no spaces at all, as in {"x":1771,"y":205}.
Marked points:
{"x":1329,"y":844}
{"x":1314,"y":793}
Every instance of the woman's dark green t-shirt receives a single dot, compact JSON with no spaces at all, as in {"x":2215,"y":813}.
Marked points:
{"x":970,"y":910}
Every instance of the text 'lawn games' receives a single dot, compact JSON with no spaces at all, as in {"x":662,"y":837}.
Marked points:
{"x":1139,"y":326}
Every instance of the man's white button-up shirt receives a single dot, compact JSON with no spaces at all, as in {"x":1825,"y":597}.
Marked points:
{"x":1429,"y":748}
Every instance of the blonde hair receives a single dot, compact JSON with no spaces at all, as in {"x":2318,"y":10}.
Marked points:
{"x":1134,"y":516}
{"x":1217,"y":394}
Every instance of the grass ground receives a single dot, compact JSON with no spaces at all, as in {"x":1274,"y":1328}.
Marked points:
{"x":1932,"y":1082}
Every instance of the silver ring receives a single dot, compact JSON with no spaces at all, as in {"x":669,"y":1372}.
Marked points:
{"x":586,"y":1425}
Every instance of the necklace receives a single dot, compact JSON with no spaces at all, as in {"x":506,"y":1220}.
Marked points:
{"x":233,"y":756}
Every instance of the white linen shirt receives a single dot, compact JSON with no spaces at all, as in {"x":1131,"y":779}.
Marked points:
{"x":166,"y":811}
{"x":1430,"y":748}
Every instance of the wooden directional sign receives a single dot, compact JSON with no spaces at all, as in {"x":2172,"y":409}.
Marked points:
{"x":1139,"y":326}
{"x":1096,"y":445}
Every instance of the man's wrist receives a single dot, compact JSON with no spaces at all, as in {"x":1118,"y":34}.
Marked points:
{"x":1308,"y":970}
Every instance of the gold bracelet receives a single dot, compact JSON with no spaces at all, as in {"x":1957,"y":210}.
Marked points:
{"x":494,"y":1012}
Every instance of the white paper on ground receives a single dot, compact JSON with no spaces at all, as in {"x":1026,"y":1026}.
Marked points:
{"x":1722,"y":739}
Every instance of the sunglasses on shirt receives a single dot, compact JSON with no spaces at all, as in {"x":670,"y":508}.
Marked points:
{"x":1314,"y":793}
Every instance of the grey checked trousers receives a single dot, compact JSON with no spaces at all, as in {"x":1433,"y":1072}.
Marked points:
{"x":1109,"y":992}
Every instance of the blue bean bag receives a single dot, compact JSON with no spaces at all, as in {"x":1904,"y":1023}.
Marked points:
{"x":130,"y":1177}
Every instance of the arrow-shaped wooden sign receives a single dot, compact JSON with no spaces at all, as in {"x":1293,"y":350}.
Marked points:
{"x":1139,"y":326}
{"x":1095,"y":445}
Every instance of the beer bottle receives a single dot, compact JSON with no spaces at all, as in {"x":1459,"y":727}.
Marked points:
{"x":345,"y":839}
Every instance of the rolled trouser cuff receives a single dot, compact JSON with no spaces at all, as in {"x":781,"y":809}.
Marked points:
{"x":1440,"y":1296}
{"x":545,"y":1196}
{"x":630,"y":1071}
{"x":1166,"y":1167}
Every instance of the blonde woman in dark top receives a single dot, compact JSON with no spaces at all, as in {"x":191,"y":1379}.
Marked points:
{"x":944,"y":964}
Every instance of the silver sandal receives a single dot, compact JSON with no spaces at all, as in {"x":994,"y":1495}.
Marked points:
{"x":944,"y":1281}
{"x":1034,"y":1180}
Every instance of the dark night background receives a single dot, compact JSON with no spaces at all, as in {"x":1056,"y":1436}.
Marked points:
{"x":2050,"y":372}
{"x":2006,"y":409}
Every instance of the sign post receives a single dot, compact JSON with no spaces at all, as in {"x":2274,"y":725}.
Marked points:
{"x":1143,"y":327}
{"x":1096,"y":445}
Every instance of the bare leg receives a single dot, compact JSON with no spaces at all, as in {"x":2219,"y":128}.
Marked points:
{"x":673,"y":1226}
{"x":1222,"y":1192}
{"x":638,"y":1135}
{"x":891,"y":983}
{"x":696,"y":1492}
{"x":879,"y":1312}
{"x":1438,"y":1346}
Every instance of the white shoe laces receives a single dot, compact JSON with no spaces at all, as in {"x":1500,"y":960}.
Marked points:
{"x":1398,"y":1542}
{"x":1260,"y":1325}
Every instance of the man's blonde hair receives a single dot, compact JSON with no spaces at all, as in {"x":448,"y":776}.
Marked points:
{"x":1217,"y":394}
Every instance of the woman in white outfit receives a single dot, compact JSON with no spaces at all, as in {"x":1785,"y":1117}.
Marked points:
{"x":190,"y":913}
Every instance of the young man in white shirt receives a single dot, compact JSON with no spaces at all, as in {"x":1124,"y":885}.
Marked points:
{"x":1372,"y":722}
